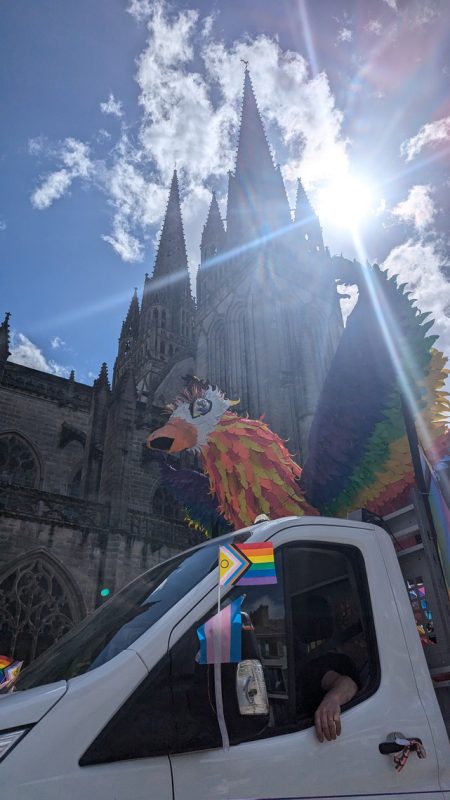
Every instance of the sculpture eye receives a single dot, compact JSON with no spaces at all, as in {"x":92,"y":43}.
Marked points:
{"x":200,"y":407}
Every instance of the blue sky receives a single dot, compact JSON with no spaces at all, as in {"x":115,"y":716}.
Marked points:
{"x":100,"y":100}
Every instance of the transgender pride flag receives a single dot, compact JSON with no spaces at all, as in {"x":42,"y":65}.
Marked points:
{"x":220,"y":637}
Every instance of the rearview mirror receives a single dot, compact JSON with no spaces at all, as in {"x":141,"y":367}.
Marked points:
{"x":251,"y":688}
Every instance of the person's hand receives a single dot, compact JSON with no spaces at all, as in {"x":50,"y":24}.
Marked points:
{"x":339,"y":690}
{"x":327,"y":719}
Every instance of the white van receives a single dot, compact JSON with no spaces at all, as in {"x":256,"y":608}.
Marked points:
{"x":120,"y":709}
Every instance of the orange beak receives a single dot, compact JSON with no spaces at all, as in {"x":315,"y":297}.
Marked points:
{"x":173,"y":437}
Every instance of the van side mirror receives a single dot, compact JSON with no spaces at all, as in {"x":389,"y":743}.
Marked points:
{"x":251,"y":689}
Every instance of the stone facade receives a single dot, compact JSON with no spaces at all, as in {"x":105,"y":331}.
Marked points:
{"x":82,"y":508}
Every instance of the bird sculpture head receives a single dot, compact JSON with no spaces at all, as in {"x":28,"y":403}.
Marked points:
{"x":195,"y":415}
{"x":249,"y":468}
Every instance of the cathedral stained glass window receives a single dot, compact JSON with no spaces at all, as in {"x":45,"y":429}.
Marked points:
{"x":18,"y":464}
{"x":39,"y":605}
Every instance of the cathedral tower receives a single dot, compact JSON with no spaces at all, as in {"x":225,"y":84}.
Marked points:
{"x":128,"y":338}
{"x":268,"y":314}
{"x":162,"y":331}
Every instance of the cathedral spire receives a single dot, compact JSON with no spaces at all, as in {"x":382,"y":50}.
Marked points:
{"x":213,"y":231}
{"x":257,"y":201}
{"x":4,"y":338}
{"x":303,"y":208}
{"x":213,"y":242}
{"x":127,"y":340}
{"x":103,"y":380}
{"x":130,"y":326}
{"x":171,"y":257}
{"x":253,"y":154}
{"x":306,"y":217}
{"x":167,"y":318}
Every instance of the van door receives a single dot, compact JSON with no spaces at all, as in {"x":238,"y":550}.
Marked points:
{"x":90,"y":744}
{"x":332,"y":601}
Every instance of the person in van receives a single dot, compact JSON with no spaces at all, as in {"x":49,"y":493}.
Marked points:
{"x":326,"y":682}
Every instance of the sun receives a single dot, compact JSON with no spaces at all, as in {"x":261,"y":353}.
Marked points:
{"x":345,"y":202}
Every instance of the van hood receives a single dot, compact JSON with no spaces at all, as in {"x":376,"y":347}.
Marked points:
{"x":27,"y":707}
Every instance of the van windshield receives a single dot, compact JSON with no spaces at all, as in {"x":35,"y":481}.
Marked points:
{"x":118,"y":623}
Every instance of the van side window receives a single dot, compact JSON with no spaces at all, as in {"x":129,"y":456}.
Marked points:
{"x":318,"y":612}
{"x":317,"y":617}
{"x":142,"y":727}
{"x":328,"y":606}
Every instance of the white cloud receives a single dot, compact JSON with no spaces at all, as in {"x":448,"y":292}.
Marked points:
{"x":52,"y":188}
{"x":374,"y":26}
{"x":102,"y":136}
{"x":301,"y":112}
{"x":57,"y":342}
{"x":431,"y":133}
{"x":425,"y":13}
{"x":138,"y":202}
{"x":419,"y":264}
{"x":112,"y":106}
{"x":125,"y":244}
{"x":2,"y":225}
{"x":74,"y":155}
{"x":345,"y":35}
{"x":418,"y":208}
{"x":25,"y":352}
{"x":140,"y":9}
{"x":392,"y":4}
{"x":36,"y":145}
{"x":182,"y":124}
{"x":191,"y":118}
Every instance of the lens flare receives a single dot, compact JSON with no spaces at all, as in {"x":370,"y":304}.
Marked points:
{"x":345,"y":202}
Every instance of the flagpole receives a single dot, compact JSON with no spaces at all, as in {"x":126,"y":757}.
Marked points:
{"x":218,"y":675}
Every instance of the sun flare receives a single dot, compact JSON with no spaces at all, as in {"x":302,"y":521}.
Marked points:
{"x":345,"y":203}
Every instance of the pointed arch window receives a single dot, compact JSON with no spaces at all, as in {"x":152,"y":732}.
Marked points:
{"x":40,"y":602}
{"x":18,"y":462}
{"x":163,"y":318}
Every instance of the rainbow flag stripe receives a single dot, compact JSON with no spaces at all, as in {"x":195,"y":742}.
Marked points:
{"x":262,"y":564}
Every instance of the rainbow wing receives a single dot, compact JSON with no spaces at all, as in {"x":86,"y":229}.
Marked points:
{"x":358,"y":451}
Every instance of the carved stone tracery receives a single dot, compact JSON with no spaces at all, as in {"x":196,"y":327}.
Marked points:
{"x":39,"y":602}
{"x":18,"y":463}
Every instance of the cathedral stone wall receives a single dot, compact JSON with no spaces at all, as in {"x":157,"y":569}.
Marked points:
{"x":59,"y":548}
{"x":52,"y":416}
{"x":269,"y":343}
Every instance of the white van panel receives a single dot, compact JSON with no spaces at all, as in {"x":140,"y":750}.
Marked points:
{"x":44,"y":766}
{"x":25,"y":708}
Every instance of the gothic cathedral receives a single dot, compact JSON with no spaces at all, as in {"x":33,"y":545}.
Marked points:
{"x":82,"y":507}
